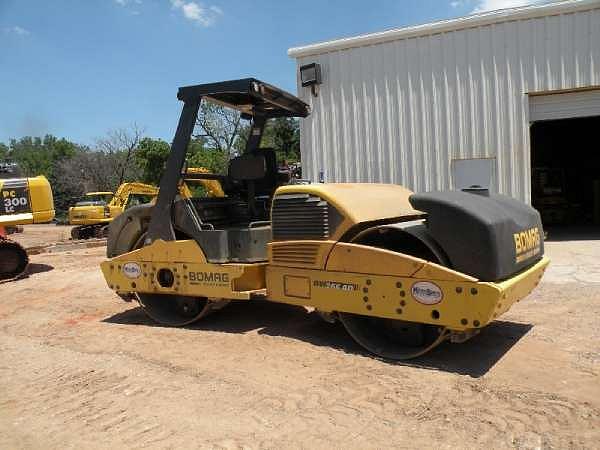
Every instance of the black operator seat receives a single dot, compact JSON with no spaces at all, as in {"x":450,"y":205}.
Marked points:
{"x":229,"y":229}
{"x":248,"y":167}
{"x":270,"y":182}
{"x":259,"y":166}
{"x":255,"y":176}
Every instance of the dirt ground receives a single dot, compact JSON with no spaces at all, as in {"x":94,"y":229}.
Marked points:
{"x":39,"y":235}
{"x":79,"y":368}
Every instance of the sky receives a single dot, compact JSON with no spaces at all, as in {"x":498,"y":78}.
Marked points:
{"x":80,"y":68}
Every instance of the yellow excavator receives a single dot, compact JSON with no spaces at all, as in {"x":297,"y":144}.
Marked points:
{"x":194,"y":176}
{"x":92,"y":215}
{"x":403,"y":272}
{"x":23,"y":201}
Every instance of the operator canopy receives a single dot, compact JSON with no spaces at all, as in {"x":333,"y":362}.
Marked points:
{"x":249,"y":96}
{"x":254,"y":172}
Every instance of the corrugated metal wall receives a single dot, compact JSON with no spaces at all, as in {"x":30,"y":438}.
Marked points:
{"x":400,"y":111}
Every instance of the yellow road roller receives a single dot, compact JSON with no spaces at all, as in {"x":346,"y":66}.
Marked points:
{"x":403,"y":272}
{"x":22,"y":201}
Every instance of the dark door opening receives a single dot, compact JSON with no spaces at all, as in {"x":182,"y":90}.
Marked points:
{"x":565,"y":170}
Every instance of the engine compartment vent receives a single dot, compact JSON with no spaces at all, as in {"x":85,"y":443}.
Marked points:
{"x":295,"y":255}
{"x":303,"y":216}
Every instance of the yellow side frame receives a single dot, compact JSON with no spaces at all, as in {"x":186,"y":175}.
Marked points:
{"x":138,"y":271}
{"x":464,"y":304}
{"x":357,"y":279}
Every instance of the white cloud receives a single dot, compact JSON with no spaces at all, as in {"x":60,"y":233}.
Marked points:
{"x":216,"y":10}
{"x":126,"y":2}
{"x":491,"y":5}
{"x":197,"y":12}
{"x":129,"y":6}
{"x":17,"y":30}
{"x":478,"y":6}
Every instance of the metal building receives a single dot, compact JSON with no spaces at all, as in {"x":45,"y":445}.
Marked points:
{"x":457,"y":102}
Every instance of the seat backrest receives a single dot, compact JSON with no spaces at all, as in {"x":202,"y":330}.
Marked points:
{"x":268,"y":184}
{"x":254,"y":175}
{"x":247,"y":167}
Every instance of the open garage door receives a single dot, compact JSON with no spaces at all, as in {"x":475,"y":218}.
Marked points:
{"x":570,"y":105}
{"x":565,"y":162}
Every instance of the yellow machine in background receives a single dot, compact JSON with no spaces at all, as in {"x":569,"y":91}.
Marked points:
{"x":213,"y":188}
{"x":23,"y":201}
{"x":96,"y":198}
{"x":93,"y":214}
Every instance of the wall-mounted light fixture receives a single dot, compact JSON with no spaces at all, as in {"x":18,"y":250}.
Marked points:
{"x":310,"y":75}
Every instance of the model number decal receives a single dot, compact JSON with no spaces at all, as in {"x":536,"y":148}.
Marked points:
{"x":15,"y":201}
{"x":426,"y":292}
{"x":335,"y":285}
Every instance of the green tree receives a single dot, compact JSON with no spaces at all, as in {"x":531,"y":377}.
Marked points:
{"x":37,"y":156}
{"x":218,"y":127}
{"x":152,"y":154}
{"x":3,"y":151}
{"x":123,"y":142}
{"x":240,"y":143}
{"x":150,"y":157}
{"x":31,"y":155}
{"x":212,"y":159}
{"x":283,"y":135}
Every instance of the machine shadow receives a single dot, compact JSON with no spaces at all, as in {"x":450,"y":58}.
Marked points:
{"x":34,"y":268}
{"x":479,"y":354}
{"x":474,"y":358}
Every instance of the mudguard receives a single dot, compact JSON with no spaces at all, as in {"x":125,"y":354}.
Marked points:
{"x":126,"y":229}
{"x":490,"y":236}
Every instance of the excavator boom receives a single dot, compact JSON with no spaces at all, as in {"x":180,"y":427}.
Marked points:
{"x":126,"y":189}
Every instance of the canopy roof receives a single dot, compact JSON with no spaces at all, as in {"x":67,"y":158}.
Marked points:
{"x":249,"y":96}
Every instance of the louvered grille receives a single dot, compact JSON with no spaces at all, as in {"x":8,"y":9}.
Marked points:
{"x":302,"y":216}
{"x":295,"y":254}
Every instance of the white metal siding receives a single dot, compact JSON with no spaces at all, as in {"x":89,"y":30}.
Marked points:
{"x":400,"y":111}
{"x":564,"y":106}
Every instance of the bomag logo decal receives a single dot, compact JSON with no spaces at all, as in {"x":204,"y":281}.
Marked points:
{"x":209,"y":278}
{"x":335,"y":285}
{"x":527,"y":244}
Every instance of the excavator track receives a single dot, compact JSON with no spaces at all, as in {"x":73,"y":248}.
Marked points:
{"x":84,"y":232}
{"x":13,"y":259}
